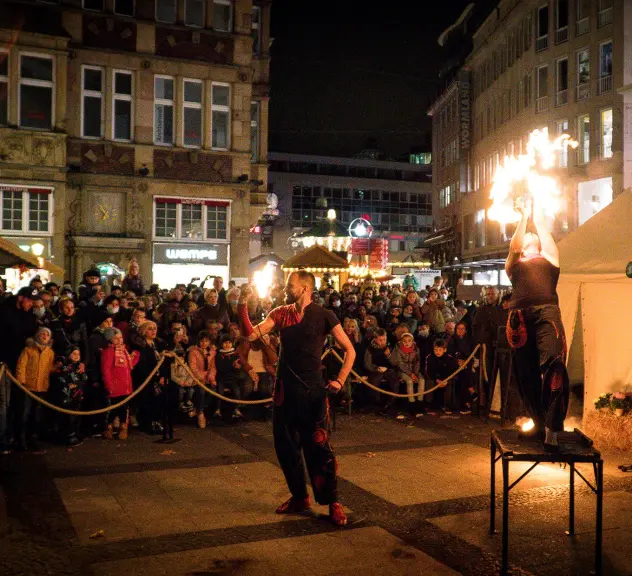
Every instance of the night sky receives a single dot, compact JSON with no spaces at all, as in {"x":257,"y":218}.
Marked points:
{"x":345,"y":74}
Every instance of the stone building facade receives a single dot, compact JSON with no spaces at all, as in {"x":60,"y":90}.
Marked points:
{"x":560,"y":65}
{"x":157,"y":141}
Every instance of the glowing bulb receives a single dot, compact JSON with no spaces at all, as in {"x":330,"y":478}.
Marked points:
{"x":37,"y":249}
{"x":331,"y":214}
{"x":360,"y":229}
{"x":528,"y":425}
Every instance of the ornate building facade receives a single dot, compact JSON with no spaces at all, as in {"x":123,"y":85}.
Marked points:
{"x":135,"y":129}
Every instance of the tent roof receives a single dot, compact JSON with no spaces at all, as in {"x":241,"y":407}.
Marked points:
{"x":12,"y":255}
{"x":316,"y":257}
{"x":602,"y":245}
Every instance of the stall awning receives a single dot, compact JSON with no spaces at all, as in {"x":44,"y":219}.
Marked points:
{"x":440,"y":236}
{"x":12,"y":255}
{"x":316,"y":257}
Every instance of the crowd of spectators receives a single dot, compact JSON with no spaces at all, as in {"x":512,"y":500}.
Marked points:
{"x":89,"y":348}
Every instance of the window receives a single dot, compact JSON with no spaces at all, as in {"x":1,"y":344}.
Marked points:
{"x":191,"y":219}
{"x":583,"y":135}
{"x":192,"y":114}
{"x":468,"y":231}
{"x":4,"y":88}
{"x":606,"y":133}
{"x":163,"y":110}
{"x":122,"y":100}
{"x":26,"y":210}
{"x":92,"y":102}
{"x":256,"y":30}
{"x":527,"y":91}
{"x":254,"y":131}
{"x":542,"y":88}
{"x":561,"y":21}
{"x":36,"y":92}
{"x":93,"y":5}
{"x":582,"y":20}
{"x":604,"y":16}
{"x":220,"y":121}
{"x":562,"y":159}
{"x":166,"y":11}
{"x":561,"y":81}
{"x":223,"y":15}
{"x":605,"y":67}
{"x":194,"y":13}
{"x":583,"y":74}
{"x":124,"y":7}
{"x":542,"y":28}
{"x":480,"y":229}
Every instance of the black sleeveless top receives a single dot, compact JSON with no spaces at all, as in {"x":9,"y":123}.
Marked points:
{"x":534,"y":282}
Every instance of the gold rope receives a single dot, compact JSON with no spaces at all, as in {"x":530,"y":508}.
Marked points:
{"x":82,"y":412}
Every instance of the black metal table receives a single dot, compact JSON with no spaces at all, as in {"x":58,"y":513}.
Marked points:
{"x":575,"y":447}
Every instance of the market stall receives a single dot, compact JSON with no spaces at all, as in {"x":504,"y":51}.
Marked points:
{"x":319,"y":261}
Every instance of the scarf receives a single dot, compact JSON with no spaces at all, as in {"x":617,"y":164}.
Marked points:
{"x":407,"y":350}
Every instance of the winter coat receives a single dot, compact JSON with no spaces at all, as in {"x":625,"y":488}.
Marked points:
{"x":207,"y":312}
{"x":133,"y":284}
{"x":432,"y":313}
{"x":439,"y":368}
{"x":96,"y":344}
{"x":374,"y":358}
{"x":405,"y":362}
{"x":70,"y":331}
{"x":460,"y":348}
{"x":17,"y":327}
{"x":67,"y":385}
{"x":179,"y":373}
{"x":116,"y":371}
{"x":34,"y":367}
{"x":203,"y":371}
{"x":485,"y":323}
{"x":225,"y":365}
{"x":270,"y":356}
{"x":147,"y":361}
{"x":86,"y":290}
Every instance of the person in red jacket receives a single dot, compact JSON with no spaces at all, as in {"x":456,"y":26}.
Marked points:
{"x":116,"y":371}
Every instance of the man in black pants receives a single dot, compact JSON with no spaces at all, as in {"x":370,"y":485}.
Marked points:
{"x":301,"y":408}
{"x":534,"y":328}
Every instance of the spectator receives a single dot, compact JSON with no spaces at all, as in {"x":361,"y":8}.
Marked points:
{"x":405,"y":359}
{"x":432,"y":312}
{"x":70,"y":330}
{"x":133,"y":281}
{"x":200,"y":358}
{"x":228,"y":365}
{"x":212,"y":310}
{"x":379,"y":369}
{"x":91,"y":283}
{"x":440,"y":365}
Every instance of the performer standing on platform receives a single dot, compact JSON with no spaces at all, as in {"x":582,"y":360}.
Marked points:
{"x":301,"y":408}
{"x":534,"y":328}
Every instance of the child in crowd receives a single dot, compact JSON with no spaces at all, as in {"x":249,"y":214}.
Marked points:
{"x":181,"y":376}
{"x":439,"y":365}
{"x":116,"y":370}
{"x":66,"y":390}
{"x":405,"y":359}
{"x":34,"y":367}
{"x":460,"y":347}
{"x":228,"y":366}
{"x":200,"y":359}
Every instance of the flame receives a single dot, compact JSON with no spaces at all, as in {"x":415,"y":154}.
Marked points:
{"x":524,"y":176}
{"x":525,"y":424}
{"x":262,"y":279}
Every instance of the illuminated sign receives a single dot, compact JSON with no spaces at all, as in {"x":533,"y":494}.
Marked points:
{"x":212,"y":254}
{"x":465,"y":109}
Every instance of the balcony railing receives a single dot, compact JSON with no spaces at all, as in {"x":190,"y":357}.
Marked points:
{"x":561,"y":35}
{"x":582,"y":26}
{"x":604,"y":84}
{"x":582,"y":91}
{"x":604,"y":17}
{"x":542,"y":104}
{"x":561,"y":98}
{"x":542,"y":43}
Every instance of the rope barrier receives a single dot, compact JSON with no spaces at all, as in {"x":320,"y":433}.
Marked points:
{"x":364,"y":381}
{"x":84,"y":412}
{"x":4,"y":371}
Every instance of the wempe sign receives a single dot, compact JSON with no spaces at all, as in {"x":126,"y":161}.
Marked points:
{"x":214,"y":254}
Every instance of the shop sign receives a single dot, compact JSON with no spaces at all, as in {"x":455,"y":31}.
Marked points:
{"x":465,"y":110}
{"x":212,"y":254}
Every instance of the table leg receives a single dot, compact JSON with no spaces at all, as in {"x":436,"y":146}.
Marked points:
{"x":492,"y":487}
{"x":505,"y":559}
{"x":571,"y":503}
{"x":599,"y":521}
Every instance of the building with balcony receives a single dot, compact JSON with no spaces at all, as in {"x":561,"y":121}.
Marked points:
{"x":135,"y":129}
{"x":396,"y":197}
{"x":561,"y":65}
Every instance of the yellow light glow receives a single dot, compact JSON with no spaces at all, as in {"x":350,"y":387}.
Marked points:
{"x":37,"y":249}
{"x":262,"y":279}
{"x":524,"y":176}
{"x":526,"y":424}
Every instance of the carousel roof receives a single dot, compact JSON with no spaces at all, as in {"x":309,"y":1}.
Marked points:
{"x":316,"y":257}
{"x":12,"y":255}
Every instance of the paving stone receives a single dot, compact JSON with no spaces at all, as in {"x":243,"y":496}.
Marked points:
{"x":346,"y":552}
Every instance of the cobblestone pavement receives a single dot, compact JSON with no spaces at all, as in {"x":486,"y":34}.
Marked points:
{"x":416,"y":492}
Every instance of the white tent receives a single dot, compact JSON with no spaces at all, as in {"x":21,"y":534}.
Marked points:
{"x":596,"y":300}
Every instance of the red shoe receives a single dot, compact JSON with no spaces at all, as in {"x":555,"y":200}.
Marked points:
{"x":337,"y":514}
{"x":295,"y":506}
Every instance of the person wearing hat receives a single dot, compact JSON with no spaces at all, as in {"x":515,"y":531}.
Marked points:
{"x":90,"y":284}
{"x":407,"y":362}
{"x":18,"y":323}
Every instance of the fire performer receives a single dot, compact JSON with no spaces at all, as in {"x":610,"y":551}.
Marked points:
{"x":534,"y":328}
{"x":301,"y":408}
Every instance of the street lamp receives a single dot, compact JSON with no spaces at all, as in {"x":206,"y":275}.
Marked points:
{"x":331,"y":216}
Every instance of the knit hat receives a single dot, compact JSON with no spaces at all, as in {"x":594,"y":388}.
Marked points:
{"x":69,"y":350}
{"x":94,"y":272}
{"x":42,"y":329}
{"x":406,"y":334}
{"x":109,"y":333}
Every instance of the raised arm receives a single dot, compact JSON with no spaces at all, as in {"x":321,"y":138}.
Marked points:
{"x":547,"y":244}
{"x":517,"y":241}
{"x":343,"y":341}
{"x":250,"y":332}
